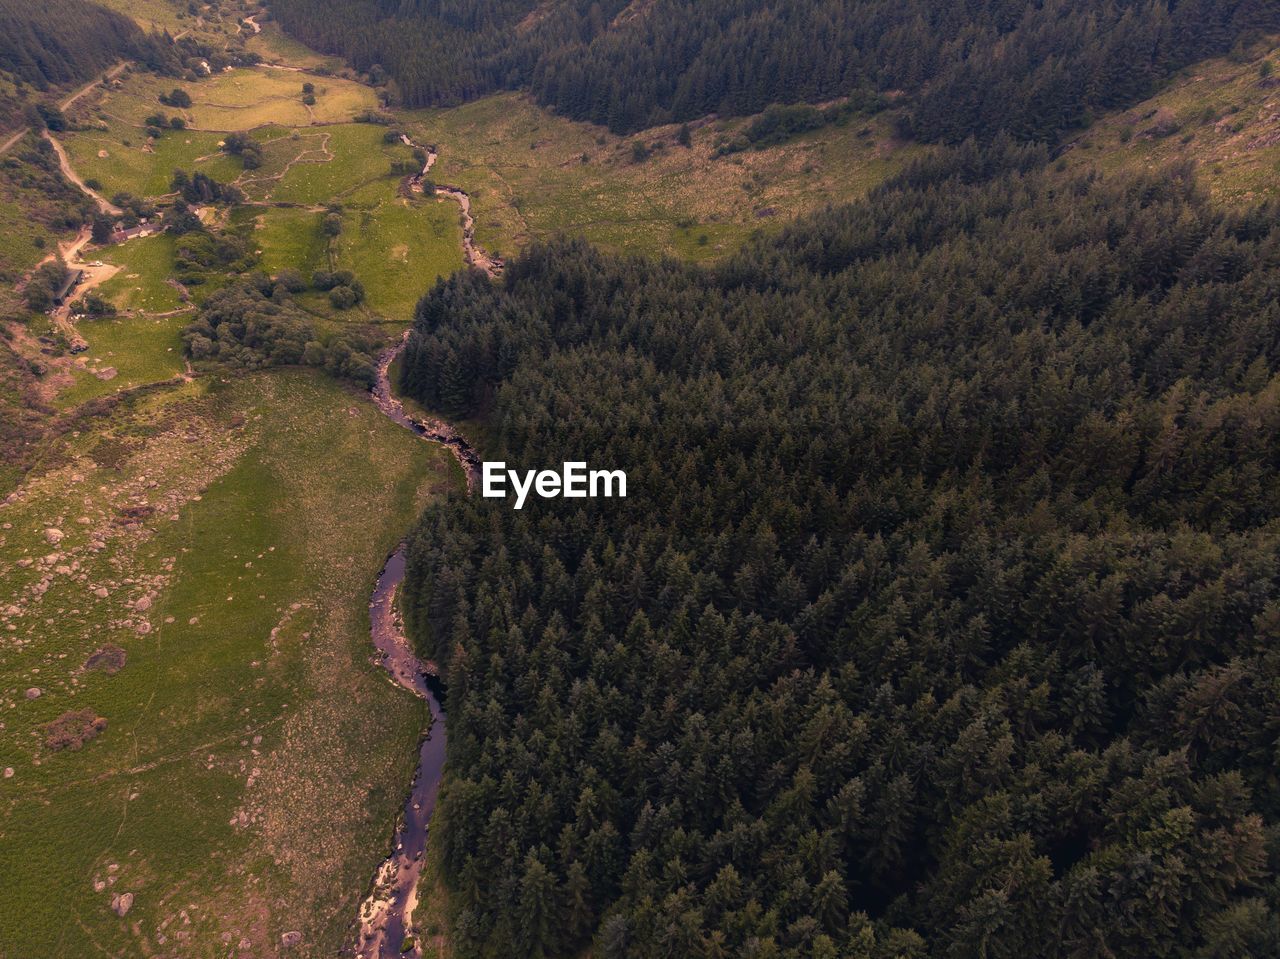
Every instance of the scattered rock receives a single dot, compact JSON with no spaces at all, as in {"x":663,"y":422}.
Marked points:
{"x":101,"y":592}
{"x":34,"y":692}
{"x":142,"y":604}
{"x":292,"y":938}
{"x":106,"y":373}
{"x":121,"y":903}
{"x":53,"y":535}
{"x":8,"y":772}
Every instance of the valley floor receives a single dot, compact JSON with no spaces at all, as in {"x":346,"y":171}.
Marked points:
{"x":199,"y":757}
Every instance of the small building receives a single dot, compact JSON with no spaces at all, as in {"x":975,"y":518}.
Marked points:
{"x":121,"y":235}
{"x":73,"y":279}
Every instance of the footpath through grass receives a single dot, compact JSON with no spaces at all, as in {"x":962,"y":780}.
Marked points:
{"x":195,"y":575}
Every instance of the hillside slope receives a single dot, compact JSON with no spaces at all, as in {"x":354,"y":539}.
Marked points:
{"x":1223,"y":115}
{"x":56,"y":45}
{"x":975,"y":69}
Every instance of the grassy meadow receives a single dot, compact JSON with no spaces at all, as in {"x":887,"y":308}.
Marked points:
{"x":532,"y":174}
{"x":125,"y":352}
{"x":1223,"y":114}
{"x":356,"y":156}
{"x":123,"y":160}
{"x":146,"y":266}
{"x":289,"y":238}
{"x":275,"y":47}
{"x":217,"y":545}
{"x":245,"y":99}
{"x":398,"y":247}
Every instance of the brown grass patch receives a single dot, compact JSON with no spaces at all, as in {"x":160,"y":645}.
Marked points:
{"x":110,"y":659}
{"x":73,"y":729}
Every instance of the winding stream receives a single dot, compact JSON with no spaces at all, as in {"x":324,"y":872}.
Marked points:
{"x":386,"y":915}
{"x":474,"y":255}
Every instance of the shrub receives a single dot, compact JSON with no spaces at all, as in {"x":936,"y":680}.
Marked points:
{"x":343,"y":297}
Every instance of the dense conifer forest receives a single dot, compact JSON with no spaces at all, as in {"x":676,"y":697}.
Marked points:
{"x":61,"y":41}
{"x":56,"y":44}
{"x":1033,"y":70}
{"x":942,"y":617}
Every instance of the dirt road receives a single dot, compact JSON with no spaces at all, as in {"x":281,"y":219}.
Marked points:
{"x":69,"y":172}
{"x":65,"y":104}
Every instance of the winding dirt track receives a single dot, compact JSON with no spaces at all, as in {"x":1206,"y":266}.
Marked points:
{"x":65,"y":104}
{"x":69,"y":172}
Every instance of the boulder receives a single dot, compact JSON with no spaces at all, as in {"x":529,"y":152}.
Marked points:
{"x":121,"y":903}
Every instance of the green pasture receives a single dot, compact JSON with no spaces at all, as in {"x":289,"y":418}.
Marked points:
{"x":249,"y":98}
{"x":358,"y":157}
{"x":146,"y":267}
{"x":398,"y":248}
{"x":532,"y":174}
{"x":225,"y":535}
{"x":139,"y":349}
{"x":122,"y":158}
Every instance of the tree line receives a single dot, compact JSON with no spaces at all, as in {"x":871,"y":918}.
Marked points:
{"x":973,"y":69}
{"x":941,"y":619}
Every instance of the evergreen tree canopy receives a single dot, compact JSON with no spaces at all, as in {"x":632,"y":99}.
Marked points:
{"x":969,"y":69}
{"x":941,"y":618}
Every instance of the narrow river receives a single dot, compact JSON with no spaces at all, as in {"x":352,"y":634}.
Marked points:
{"x":472,"y":252}
{"x":386,"y":915}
